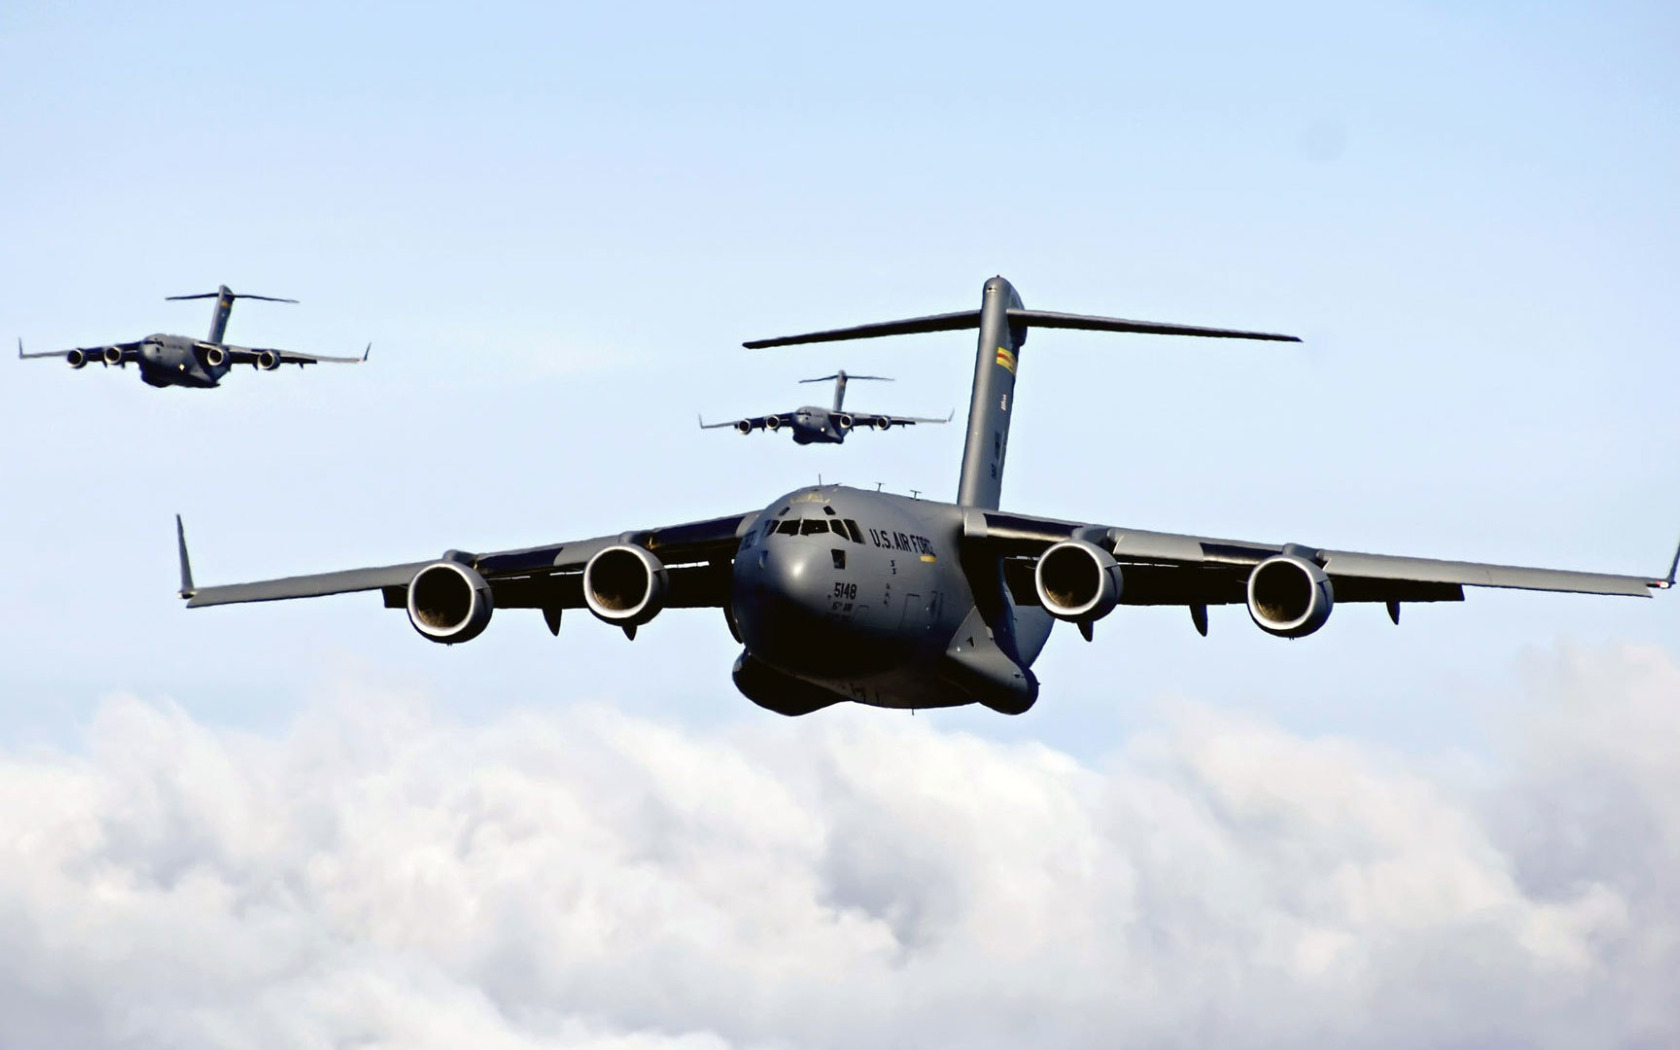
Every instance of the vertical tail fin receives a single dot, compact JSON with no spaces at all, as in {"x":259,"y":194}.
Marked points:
{"x":1003,"y":324}
{"x":224,"y":307}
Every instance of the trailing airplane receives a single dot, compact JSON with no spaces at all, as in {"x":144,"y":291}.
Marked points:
{"x":179,"y":360}
{"x":811,"y":424}
{"x":839,"y":594}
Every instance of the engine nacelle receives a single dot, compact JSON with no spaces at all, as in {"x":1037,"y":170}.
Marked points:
{"x":625,"y":585}
{"x":844,"y":421}
{"x":449,"y":603}
{"x":215,"y":356}
{"x":1289,"y":596}
{"x":1077,"y":581}
{"x":268,"y":360}
{"x":881,"y":423}
{"x":744,"y":426}
{"x":112,"y":355}
{"x":76,"y":359}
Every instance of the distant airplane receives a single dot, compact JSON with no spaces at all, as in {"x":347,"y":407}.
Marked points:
{"x":179,"y":360}
{"x":838,"y":593}
{"x":811,"y":424}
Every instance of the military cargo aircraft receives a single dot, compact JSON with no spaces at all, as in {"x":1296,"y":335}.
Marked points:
{"x":179,"y":360}
{"x":841,"y":594}
{"x":811,"y":424}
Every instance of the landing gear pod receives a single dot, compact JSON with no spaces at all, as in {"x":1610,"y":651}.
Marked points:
{"x":449,"y":603}
{"x":1077,"y":581}
{"x":1289,"y":596}
{"x":625,"y":585}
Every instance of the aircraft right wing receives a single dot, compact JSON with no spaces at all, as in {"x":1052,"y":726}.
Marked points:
{"x":110,"y":354}
{"x":697,"y":557}
{"x":751,"y":423}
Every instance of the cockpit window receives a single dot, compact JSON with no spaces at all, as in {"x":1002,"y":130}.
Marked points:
{"x":812,"y":526}
{"x":789,"y":527}
{"x":857,"y":533}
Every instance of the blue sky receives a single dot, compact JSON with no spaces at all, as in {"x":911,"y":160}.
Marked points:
{"x":557,"y":225}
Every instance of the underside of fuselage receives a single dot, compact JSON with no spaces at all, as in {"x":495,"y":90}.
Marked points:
{"x":862,"y":596}
{"x":173,"y":360}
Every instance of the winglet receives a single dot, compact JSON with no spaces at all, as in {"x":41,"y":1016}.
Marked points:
{"x":187,"y":588}
{"x":368,"y":351}
{"x":1673,"y":567}
{"x":20,"y":348}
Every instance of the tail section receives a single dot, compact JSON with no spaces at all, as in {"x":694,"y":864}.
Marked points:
{"x":840,"y":380}
{"x":224,"y":308}
{"x":1003,"y":322}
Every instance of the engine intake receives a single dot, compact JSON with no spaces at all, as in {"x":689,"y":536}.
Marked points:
{"x":1289,"y":596}
{"x":76,"y":359}
{"x":449,"y":603}
{"x":744,"y":426}
{"x":844,"y":421}
{"x":112,"y":355}
{"x":1077,"y":581}
{"x":215,"y":356}
{"x":625,"y":585}
{"x":268,"y":360}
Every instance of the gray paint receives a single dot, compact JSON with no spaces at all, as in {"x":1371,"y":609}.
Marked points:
{"x":843,"y":594}
{"x":815,"y":425}
{"x":181,"y":361}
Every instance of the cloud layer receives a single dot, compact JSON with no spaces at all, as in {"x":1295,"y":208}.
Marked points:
{"x":376,"y":877}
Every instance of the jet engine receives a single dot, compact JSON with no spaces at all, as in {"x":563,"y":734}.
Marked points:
{"x":744,"y":427}
{"x":882,"y":423}
{"x":1077,"y":581}
{"x":844,"y":421}
{"x":772,"y":423}
{"x":449,"y":602}
{"x":76,"y":359}
{"x":1289,"y":596}
{"x":215,"y":356}
{"x":625,"y":585}
{"x":268,"y":360}
{"x":112,"y":355}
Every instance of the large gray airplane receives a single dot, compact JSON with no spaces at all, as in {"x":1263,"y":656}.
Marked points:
{"x":180,"y":360}
{"x":813,"y":424}
{"x":838,"y":593}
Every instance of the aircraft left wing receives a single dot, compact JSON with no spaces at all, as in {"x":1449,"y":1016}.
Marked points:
{"x":697,"y":555}
{"x":1159,"y":568}
{"x":269,"y":357}
{"x":866,"y":420}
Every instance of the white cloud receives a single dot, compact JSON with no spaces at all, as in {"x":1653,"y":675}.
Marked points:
{"x":379,"y":878}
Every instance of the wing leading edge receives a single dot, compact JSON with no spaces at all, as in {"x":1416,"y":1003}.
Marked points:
{"x":696,"y":554}
{"x":1170,"y":569}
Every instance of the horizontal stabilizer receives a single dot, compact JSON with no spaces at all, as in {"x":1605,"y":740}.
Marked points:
{"x":230,"y":295}
{"x":1047,"y":319}
{"x":1023,"y":318}
{"x":912,"y":326}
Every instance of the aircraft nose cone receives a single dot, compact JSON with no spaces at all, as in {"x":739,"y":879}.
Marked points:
{"x":782,"y":604}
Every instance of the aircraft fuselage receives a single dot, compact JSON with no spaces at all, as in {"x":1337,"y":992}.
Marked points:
{"x":176,"y":360}
{"x":862,"y":595}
